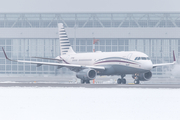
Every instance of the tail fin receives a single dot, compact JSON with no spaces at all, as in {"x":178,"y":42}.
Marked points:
{"x":65,"y":47}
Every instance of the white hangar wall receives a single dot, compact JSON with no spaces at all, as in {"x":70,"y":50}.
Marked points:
{"x":91,"y":32}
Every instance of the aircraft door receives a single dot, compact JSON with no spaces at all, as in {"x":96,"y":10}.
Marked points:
{"x":129,"y":56}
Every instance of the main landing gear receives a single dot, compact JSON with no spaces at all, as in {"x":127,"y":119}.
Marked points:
{"x":85,"y":81}
{"x":122,"y":80}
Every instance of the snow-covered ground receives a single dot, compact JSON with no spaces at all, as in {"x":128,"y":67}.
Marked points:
{"x":21,"y":103}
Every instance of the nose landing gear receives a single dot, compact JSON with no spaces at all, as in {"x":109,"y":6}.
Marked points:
{"x":136,"y":82}
{"x":122,"y":80}
{"x":136,"y":79}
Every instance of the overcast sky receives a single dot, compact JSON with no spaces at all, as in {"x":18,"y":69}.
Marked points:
{"x":89,"y":6}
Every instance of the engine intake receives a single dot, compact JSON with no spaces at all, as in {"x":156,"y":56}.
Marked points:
{"x":86,"y":74}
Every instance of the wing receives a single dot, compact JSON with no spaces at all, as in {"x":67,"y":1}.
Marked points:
{"x":164,"y":64}
{"x":58,"y":59}
{"x":73,"y":67}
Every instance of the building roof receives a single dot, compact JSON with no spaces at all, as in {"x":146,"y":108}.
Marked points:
{"x":80,"y":20}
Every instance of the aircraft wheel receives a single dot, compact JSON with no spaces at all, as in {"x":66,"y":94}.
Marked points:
{"x":82,"y":81}
{"x":119,"y":81}
{"x":123,"y":81}
{"x":87,"y":82}
{"x":136,"y":82}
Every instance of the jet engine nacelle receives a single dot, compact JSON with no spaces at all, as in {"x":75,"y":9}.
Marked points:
{"x":143,"y":76}
{"x":86,"y":74}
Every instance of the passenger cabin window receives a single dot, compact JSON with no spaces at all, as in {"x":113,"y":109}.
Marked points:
{"x":142,"y":58}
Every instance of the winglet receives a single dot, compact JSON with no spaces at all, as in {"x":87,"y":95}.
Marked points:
{"x":174,"y":56}
{"x":6,"y":55}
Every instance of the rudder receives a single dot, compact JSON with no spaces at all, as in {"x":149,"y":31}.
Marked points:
{"x":65,"y":47}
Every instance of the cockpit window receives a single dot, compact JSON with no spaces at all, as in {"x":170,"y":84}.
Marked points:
{"x":137,"y":58}
{"x":142,"y":58}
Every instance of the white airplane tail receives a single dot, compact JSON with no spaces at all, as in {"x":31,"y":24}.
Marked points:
{"x":65,"y":47}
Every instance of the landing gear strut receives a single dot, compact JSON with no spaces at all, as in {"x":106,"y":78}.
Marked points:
{"x":122,"y":80}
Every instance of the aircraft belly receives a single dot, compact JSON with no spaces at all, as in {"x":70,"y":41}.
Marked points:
{"x":120,"y":69}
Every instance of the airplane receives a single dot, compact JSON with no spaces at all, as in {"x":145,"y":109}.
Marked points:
{"x":88,"y":65}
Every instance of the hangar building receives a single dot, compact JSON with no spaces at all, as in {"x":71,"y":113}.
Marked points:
{"x":24,"y":35}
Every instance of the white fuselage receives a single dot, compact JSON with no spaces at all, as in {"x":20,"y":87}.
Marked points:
{"x":122,"y":59}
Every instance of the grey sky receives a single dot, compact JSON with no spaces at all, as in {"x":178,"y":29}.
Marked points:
{"x":89,"y":6}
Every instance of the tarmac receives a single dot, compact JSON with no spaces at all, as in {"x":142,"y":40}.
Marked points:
{"x":175,"y":86}
{"x":99,"y":83}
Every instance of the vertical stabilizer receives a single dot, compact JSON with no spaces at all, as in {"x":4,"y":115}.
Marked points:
{"x":65,"y":47}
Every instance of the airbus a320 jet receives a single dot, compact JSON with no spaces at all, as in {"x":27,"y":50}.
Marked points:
{"x":88,"y":65}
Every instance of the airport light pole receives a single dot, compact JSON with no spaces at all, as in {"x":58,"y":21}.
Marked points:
{"x":94,"y":42}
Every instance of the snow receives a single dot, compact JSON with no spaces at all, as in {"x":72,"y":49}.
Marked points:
{"x":22,"y":103}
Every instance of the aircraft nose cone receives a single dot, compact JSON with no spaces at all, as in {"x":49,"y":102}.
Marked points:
{"x":148,"y":65}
